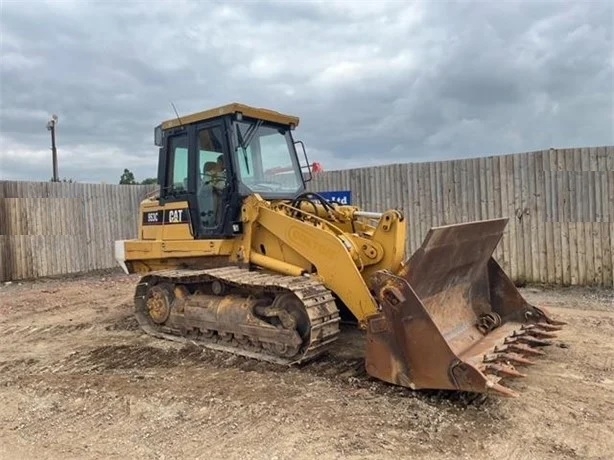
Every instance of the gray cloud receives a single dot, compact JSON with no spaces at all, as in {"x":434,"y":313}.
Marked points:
{"x":372,"y":82}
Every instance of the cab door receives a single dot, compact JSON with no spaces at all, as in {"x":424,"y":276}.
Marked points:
{"x":214,"y":184}
{"x":175,"y":196}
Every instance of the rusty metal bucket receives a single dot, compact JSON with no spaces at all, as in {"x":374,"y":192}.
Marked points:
{"x":452,"y":319}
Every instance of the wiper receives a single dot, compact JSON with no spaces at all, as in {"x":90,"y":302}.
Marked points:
{"x":251,"y":131}
{"x":242,"y":145}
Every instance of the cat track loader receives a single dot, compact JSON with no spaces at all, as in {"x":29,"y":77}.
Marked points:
{"x":236,"y":255}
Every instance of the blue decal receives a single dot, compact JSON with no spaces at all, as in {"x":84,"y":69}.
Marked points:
{"x":339,"y":196}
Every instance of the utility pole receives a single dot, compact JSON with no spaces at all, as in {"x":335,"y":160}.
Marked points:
{"x":51,"y":127}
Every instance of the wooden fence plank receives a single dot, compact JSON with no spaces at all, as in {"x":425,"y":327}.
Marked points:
{"x":562,"y":228}
{"x":505,"y":212}
{"x":606,"y":249}
{"x":581,"y":257}
{"x":496,"y":205}
{"x":597,"y":217}
{"x":422,"y":211}
{"x":570,"y":194}
{"x":512,"y":209}
{"x":558,"y":212}
{"x":610,"y":179}
{"x":526,"y":216}
{"x":532,"y":215}
{"x":410,"y":174}
{"x":588,"y":205}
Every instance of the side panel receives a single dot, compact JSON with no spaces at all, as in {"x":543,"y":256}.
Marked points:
{"x":139,"y":256}
{"x":135,"y":250}
{"x":151,"y":230}
{"x":168,"y":222}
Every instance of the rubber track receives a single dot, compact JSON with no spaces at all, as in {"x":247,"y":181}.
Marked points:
{"x":317,"y":300}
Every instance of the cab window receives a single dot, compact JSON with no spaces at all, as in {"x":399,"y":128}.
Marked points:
{"x":210,"y":147}
{"x":268,"y":162}
{"x":177,"y":178}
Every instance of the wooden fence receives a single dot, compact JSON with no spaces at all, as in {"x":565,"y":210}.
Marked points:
{"x":560,"y":204}
{"x":57,"y":228}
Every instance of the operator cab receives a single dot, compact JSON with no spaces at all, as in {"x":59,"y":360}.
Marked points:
{"x":216,"y":158}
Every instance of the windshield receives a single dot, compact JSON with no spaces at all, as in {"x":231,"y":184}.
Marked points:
{"x":266,"y":158}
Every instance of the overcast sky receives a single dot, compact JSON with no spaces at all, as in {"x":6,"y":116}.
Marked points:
{"x":373,"y":82}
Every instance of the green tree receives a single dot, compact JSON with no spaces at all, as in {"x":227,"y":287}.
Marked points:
{"x":127,"y":178}
{"x":149,"y":180}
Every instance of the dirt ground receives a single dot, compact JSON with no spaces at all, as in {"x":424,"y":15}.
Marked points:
{"x":78,"y":379}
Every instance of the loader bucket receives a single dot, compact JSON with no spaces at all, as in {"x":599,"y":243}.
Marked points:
{"x":451,"y":319}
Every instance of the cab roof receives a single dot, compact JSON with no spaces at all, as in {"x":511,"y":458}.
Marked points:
{"x":246,"y":110}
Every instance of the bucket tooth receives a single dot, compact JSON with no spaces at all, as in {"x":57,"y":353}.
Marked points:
{"x":502,"y":390}
{"x":528,"y":340}
{"x":537,"y":342}
{"x":517,"y":359}
{"x":538,"y":332}
{"x":502,"y":370}
{"x":555,"y":322}
{"x":541,"y":316}
{"x":513,"y":358}
{"x":525,"y":349}
{"x":543,"y":326}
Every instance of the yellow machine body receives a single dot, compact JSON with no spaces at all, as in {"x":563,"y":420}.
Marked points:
{"x":258,"y":266}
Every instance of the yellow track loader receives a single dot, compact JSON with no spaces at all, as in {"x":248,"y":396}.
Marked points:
{"x":236,"y":255}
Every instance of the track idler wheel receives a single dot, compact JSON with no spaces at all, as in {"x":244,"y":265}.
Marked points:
{"x":286,"y":312}
{"x":293,"y":313}
{"x":158,"y":303}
